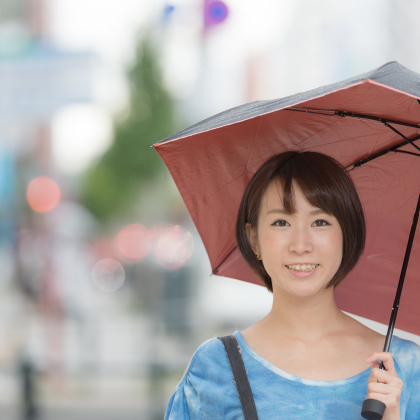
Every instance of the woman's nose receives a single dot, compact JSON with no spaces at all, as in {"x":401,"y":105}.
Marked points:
{"x":301,"y":241}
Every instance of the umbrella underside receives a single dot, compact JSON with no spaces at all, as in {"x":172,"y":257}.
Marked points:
{"x":211,"y":172}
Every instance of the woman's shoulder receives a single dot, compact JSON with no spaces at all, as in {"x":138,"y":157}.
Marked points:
{"x":207,"y":381}
{"x":406,"y":350}
{"x":407,"y":355}
{"x":403,"y":345}
{"x":208,"y":361}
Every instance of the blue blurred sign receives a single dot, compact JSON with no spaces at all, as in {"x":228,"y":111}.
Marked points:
{"x":167,"y":12}
{"x":215,"y":12}
{"x":34,"y":85}
{"x":7,"y":190}
{"x":6,"y":177}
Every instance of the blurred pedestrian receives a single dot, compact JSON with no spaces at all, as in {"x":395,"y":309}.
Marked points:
{"x":28,"y":389}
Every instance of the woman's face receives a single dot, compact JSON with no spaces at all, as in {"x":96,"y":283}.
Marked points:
{"x":310,"y":236}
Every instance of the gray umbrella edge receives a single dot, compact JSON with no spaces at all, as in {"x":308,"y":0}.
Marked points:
{"x":391,"y":74}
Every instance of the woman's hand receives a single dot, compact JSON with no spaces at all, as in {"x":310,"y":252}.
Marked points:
{"x":385,"y":385}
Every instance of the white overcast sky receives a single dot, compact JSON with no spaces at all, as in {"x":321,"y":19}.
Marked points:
{"x":109,"y":26}
{"x":304,"y":43}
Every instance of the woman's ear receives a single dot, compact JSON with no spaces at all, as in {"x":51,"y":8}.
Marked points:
{"x":252,"y":235}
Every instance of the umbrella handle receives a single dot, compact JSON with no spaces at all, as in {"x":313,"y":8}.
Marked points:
{"x":373,"y":409}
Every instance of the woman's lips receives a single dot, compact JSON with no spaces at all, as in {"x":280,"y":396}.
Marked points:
{"x":302,"y":274}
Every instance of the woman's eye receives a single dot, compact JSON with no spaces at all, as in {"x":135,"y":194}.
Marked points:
{"x":322,"y":221}
{"x":281,"y":223}
{"x":318,"y":223}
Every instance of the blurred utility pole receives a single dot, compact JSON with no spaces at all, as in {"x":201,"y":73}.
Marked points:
{"x":401,"y":48}
{"x":37,"y":18}
{"x":257,"y":66}
{"x":50,"y":300}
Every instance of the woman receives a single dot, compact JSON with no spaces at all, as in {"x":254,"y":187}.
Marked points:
{"x":301,"y":229}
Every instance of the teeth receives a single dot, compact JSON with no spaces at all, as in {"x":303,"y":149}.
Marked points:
{"x":302,"y":267}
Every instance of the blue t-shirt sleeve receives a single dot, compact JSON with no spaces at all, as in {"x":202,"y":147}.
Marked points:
{"x":413,"y":383}
{"x":184,"y":404}
{"x":207,"y":387}
{"x":185,"y":401}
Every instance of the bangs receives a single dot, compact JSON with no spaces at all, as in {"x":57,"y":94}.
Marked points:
{"x":316,"y":186}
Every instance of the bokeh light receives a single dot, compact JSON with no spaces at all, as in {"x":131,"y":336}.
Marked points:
{"x":80,"y":133}
{"x":215,"y":12}
{"x":104,"y":247}
{"x":158,"y":229}
{"x":174,"y":246}
{"x":43,"y":194}
{"x":108,"y":275}
{"x":135,"y":241}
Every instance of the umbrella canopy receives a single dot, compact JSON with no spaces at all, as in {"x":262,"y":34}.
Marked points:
{"x":368,"y":123}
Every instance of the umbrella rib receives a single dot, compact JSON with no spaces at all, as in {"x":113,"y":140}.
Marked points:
{"x":383,"y":152}
{"x":215,"y":271}
{"x":346,"y":114}
{"x":371,"y":118}
{"x":402,"y":135}
{"x":409,"y":153}
{"x":325,"y":112}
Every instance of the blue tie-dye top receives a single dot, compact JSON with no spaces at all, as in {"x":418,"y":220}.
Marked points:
{"x":207,"y":390}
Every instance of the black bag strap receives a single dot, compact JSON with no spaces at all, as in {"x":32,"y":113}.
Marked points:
{"x":239,"y":374}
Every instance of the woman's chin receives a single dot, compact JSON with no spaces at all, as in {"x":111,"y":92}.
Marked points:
{"x":302,"y":289}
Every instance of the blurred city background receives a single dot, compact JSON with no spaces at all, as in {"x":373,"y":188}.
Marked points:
{"x":105,"y":286}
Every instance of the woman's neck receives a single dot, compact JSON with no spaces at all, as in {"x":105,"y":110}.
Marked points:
{"x":309,"y":319}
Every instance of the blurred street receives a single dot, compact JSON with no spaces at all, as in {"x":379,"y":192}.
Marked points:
{"x":71,"y":411}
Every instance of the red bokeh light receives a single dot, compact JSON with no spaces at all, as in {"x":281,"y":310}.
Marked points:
{"x":43,"y":194}
{"x":104,"y":248}
{"x":174,"y":246}
{"x":135,"y":241}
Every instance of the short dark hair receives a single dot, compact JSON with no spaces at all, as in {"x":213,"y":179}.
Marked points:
{"x":325,"y":184}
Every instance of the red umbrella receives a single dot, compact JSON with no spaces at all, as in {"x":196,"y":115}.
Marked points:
{"x":369,"y":124}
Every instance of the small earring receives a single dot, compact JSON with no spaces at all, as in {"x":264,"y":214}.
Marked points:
{"x":257,"y":255}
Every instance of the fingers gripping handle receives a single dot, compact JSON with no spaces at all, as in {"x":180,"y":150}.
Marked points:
{"x":373,"y":409}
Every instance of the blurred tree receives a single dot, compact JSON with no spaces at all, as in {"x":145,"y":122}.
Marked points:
{"x":113,"y":184}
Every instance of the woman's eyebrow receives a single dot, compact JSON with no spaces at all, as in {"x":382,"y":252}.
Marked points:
{"x":282,"y":211}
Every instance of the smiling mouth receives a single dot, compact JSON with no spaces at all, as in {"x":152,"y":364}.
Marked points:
{"x":302,"y":267}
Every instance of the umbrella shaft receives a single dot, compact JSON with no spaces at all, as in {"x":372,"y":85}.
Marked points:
{"x":401,"y":282}
{"x":390,"y":331}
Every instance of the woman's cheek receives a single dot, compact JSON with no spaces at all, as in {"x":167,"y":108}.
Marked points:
{"x":273,"y":242}
{"x":331,"y":246}
{"x":332,"y":240}
{"x":273,"y":253}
